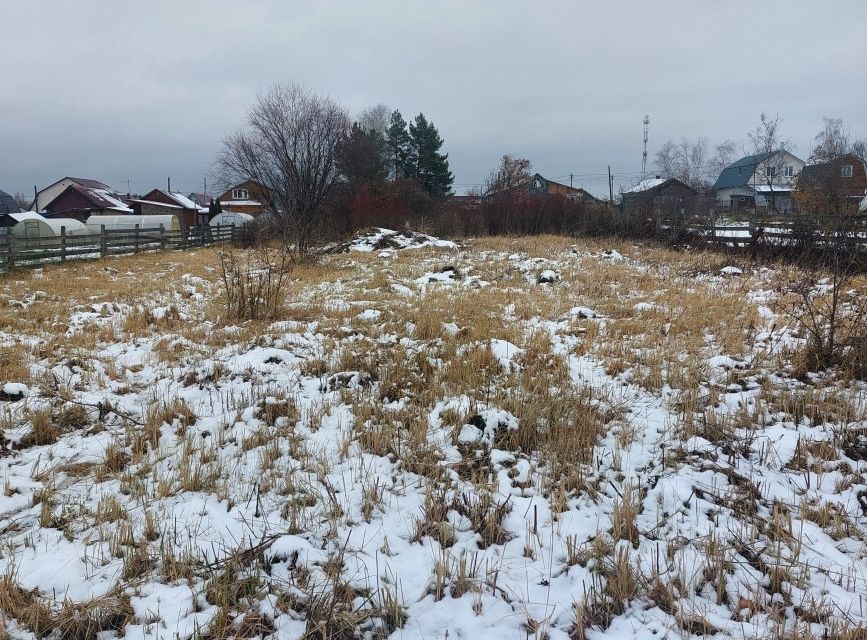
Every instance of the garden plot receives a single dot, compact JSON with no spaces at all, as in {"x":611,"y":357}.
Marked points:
{"x":509,"y":438}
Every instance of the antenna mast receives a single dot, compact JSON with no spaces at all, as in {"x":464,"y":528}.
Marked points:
{"x":644,"y":154}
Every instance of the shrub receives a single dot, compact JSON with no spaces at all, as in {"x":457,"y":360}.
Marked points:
{"x":255,"y":280}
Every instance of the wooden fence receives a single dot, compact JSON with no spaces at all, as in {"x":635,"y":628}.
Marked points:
{"x":20,"y":251}
{"x":795,"y":232}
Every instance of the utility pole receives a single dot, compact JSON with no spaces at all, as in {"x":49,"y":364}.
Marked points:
{"x":570,"y":180}
{"x":610,"y":186}
{"x":644,"y":154}
{"x":35,"y":199}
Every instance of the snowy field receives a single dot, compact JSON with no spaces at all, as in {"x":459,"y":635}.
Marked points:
{"x":514,"y":438}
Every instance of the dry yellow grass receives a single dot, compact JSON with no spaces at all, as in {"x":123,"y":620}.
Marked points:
{"x":389,"y":372}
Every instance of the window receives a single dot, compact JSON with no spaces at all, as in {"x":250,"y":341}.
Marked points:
{"x":770,"y":172}
{"x":240,"y":194}
{"x":788,"y":171}
{"x":846,"y":170}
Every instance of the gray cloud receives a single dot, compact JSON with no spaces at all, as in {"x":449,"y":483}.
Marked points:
{"x":142,"y":91}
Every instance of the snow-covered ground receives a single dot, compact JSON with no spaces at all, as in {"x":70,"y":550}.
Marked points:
{"x":509,"y":439}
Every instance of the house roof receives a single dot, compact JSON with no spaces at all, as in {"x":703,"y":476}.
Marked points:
{"x":812,"y":174}
{"x":99,"y":198}
{"x":654,"y":184}
{"x":87,"y":182}
{"x":8,"y":204}
{"x":174,"y":198}
{"x":201,"y":199}
{"x":646,"y":184}
{"x":571,"y":191}
{"x":738,"y":173}
{"x":158,"y":204}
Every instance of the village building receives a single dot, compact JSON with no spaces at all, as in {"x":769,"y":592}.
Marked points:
{"x":761,"y":182}
{"x":245,"y":197}
{"x":667,"y":195}
{"x":80,"y":202}
{"x":46,"y":196}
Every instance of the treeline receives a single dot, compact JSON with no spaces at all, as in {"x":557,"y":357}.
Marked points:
{"x":389,"y":169}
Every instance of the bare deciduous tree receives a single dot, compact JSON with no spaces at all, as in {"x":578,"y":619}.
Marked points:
{"x":376,"y":119}
{"x":684,"y":160}
{"x":691,"y":163}
{"x":831,"y":142}
{"x":512,"y":172}
{"x":859,"y":148}
{"x":289,"y":146}
{"x":767,"y":140}
{"x":724,"y":155}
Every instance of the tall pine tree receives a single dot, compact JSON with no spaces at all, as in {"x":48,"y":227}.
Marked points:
{"x":401,"y":163}
{"x":431,"y":166}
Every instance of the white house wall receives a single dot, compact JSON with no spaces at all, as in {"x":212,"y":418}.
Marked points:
{"x":44,"y":197}
{"x":759,"y":178}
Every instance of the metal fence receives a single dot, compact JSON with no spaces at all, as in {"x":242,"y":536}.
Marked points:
{"x":23,"y":251}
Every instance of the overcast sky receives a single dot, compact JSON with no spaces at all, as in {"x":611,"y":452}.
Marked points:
{"x":141,"y":91}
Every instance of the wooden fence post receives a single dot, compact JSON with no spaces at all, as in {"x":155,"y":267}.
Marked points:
{"x":63,"y":243}
{"x":135,"y":240}
{"x":103,"y":243}
{"x":232,"y":233}
{"x":10,"y":249}
{"x":162,"y":237}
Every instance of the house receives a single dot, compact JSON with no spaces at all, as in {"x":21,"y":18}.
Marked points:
{"x":837,"y":186}
{"x":201,"y":199}
{"x":665,"y":195}
{"x":759,"y":182}
{"x":8,"y":204}
{"x":247,"y":197}
{"x":540,"y":185}
{"x":80,"y":202}
{"x":47,"y":195}
{"x":162,"y":202}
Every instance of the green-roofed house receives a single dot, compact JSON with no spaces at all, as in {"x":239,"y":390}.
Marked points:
{"x":760,"y":182}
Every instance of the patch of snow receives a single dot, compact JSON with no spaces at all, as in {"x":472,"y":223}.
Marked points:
{"x":381,"y":238}
{"x":369,"y":315}
{"x":731,"y":271}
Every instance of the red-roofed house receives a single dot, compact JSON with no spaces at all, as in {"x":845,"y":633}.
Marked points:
{"x":245,"y":197}
{"x":161,"y":202}
{"x":47,"y":195}
{"x":81,"y":202}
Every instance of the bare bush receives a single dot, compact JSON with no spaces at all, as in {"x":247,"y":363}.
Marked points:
{"x":830,"y":312}
{"x":254,"y":281}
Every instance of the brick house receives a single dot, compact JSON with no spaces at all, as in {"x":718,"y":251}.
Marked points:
{"x":248,"y":197}
{"x":834,"y":187}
